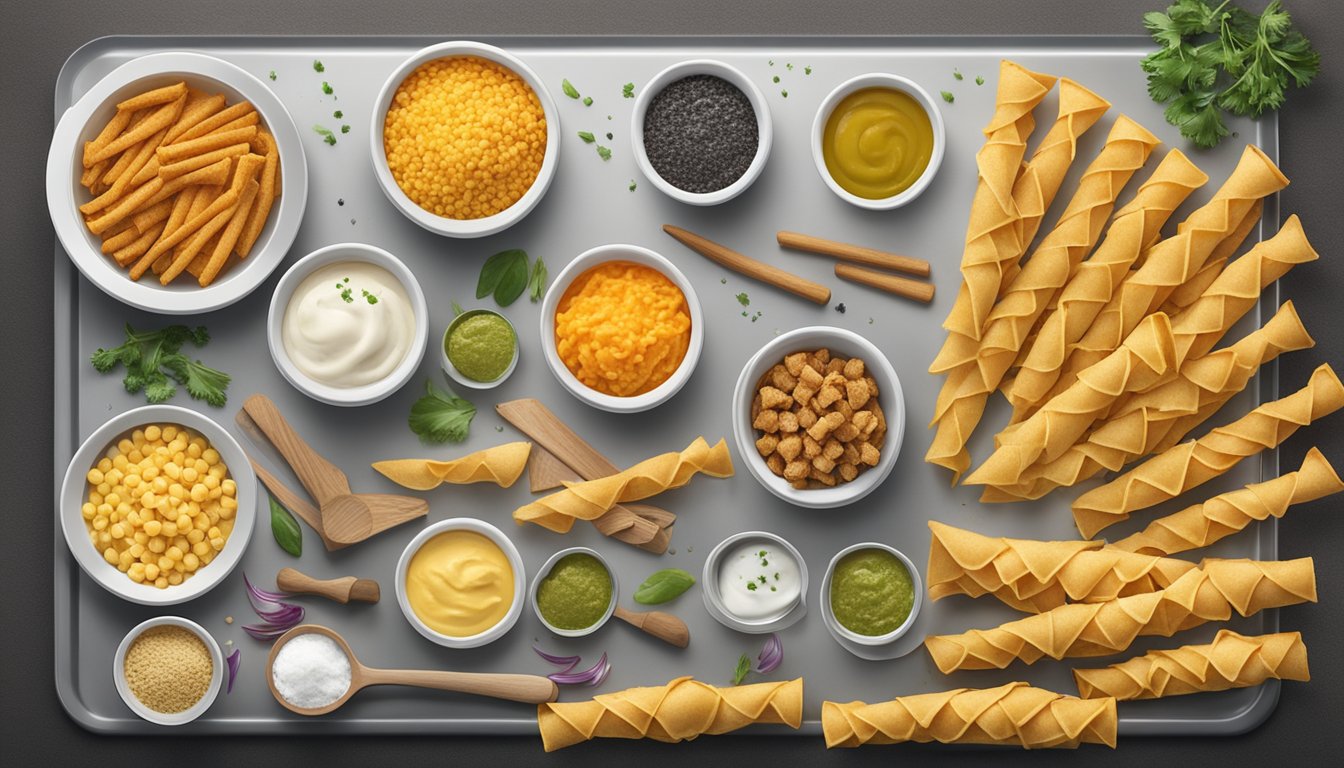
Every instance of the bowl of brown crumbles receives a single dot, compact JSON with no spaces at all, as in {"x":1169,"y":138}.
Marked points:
{"x":168,"y":670}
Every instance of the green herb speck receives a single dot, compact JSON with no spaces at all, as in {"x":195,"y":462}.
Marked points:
{"x":775,"y":79}
{"x":272,"y":75}
{"x":603,"y":152}
{"x":587,"y":136}
{"x":345,"y":129}
{"x":956,"y":74}
{"x":587,"y":101}
{"x":723,"y":281}
{"x":745,"y":301}
{"x":318,"y":66}
{"x":788,"y":67}
{"x":369,"y":297}
{"x":784,"y":93}
{"x":569,"y":89}
{"x":979,"y":79}
{"x":338,"y":114}
{"x":947,"y":96}
{"x":632,"y":185}
{"x":751,"y":586}
{"x":326,"y":134}
{"x":627,"y":92}
{"x":347,"y":296}
{"x":807,"y":70}
{"x":327,"y":89}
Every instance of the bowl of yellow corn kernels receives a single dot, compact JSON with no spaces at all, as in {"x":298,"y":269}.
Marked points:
{"x":158,"y":505}
{"x":464,"y":138}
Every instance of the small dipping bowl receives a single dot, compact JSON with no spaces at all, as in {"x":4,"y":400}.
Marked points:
{"x":164,"y":718}
{"x":462,"y":378}
{"x":546,"y":571}
{"x":709,"y":579}
{"x":890,"y":82}
{"x":510,"y":552}
{"x":560,"y":286}
{"x":841,"y":631}
{"x":739,"y":80}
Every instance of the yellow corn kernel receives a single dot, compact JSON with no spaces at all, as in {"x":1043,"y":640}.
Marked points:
{"x":196,"y":535}
{"x":88,"y":510}
{"x":175,"y":578}
{"x":200,"y":548}
{"x":137,"y":549}
{"x":191,"y":562}
{"x":153,"y":432}
{"x":111,"y":556}
{"x":99,"y":522}
{"x":211,"y":456}
{"x":152,"y":571}
{"x":217,"y":543}
{"x":117,"y":530}
{"x":161,"y":582}
{"x":169,"y":431}
{"x":153,"y":527}
{"x":157,"y":545}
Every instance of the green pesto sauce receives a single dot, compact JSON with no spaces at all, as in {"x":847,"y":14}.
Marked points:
{"x":576,"y":593}
{"x":482,"y":346}
{"x":871,"y":592}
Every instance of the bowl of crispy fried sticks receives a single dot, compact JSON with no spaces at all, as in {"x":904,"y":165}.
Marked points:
{"x":176,"y":183}
{"x":819,"y":415}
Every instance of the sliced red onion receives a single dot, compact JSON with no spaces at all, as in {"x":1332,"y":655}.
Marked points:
{"x":234,"y":660}
{"x":268,"y":631}
{"x":772,"y":655}
{"x":568,"y":662}
{"x":591,"y":676}
{"x":262,"y":601}
{"x":278,"y":617}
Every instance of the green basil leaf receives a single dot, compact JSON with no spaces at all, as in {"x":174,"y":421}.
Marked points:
{"x":743,"y":667}
{"x":663,"y":586}
{"x":536,"y":284}
{"x":512,"y":282}
{"x":494,"y":269}
{"x":286,"y":529}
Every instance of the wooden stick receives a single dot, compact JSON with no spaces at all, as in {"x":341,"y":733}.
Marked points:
{"x":814,"y":292}
{"x":910,"y":289}
{"x":855,"y":253}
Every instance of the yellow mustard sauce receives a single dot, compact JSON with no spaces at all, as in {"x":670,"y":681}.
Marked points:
{"x":877,"y":142}
{"x":460,"y":583}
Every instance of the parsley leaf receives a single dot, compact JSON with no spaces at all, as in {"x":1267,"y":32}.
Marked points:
{"x":441,"y":416}
{"x":153,"y":363}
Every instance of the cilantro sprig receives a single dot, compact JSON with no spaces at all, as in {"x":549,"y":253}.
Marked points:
{"x":1219,"y":57}
{"x":153,"y":361}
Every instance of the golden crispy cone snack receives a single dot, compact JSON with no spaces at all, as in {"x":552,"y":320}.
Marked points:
{"x":1036,"y":576}
{"x":1211,"y":592}
{"x":961,"y":402}
{"x":1185,"y":466}
{"x":501,"y":465}
{"x":1015,"y":714}
{"x":1145,"y":359}
{"x":1230,"y":661}
{"x":1202,"y":386}
{"x":1134,"y":228}
{"x":588,"y":500}
{"x":1172,"y":262}
{"x":1193,"y":288}
{"x":679,"y":711}
{"x":993,"y":234}
{"x":1203,"y":524}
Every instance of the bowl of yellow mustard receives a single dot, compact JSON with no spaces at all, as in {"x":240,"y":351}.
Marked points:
{"x":878,"y":140}
{"x":621,"y":328}
{"x":460,"y":583}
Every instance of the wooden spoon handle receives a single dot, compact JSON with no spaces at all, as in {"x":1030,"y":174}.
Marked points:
{"x":528,"y":689}
{"x":323,"y":480}
{"x":910,"y":289}
{"x":855,"y":253}
{"x":813,"y":292}
{"x":342,"y":590}
{"x":664,"y":626}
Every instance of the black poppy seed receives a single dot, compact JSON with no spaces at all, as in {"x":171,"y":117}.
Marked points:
{"x":700,"y":133}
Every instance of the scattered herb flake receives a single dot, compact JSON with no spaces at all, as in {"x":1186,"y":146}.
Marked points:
{"x":743,"y":667}
{"x":979,"y":79}
{"x":807,"y":70}
{"x":722,"y":280}
{"x":788,"y":66}
{"x":326,"y":134}
{"x":587,"y":101}
{"x":345,"y":129}
{"x":756,"y":316}
{"x":956,"y":74}
{"x":587,"y":136}
{"x":609,"y":136}
{"x":743,"y":299}
{"x":947,"y":96}
{"x":775,"y":79}
{"x":369,"y":297}
{"x":327,"y":89}
{"x":569,"y":89}
{"x":536,"y":282}
{"x":318,"y":66}
{"x":272,"y":75}
{"x":603,"y":152}
{"x":784,"y":93}
{"x":340,"y":201}
{"x":870,"y":321}
{"x":346,"y":296}
{"x":632,"y":185}
{"x":338,"y":114}
{"x":627,"y":91}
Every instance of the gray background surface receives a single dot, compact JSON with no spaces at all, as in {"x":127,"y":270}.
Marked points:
{"x":38,"y":37}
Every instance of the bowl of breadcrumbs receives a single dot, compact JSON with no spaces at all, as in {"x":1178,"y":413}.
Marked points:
{"x":168,"y":670}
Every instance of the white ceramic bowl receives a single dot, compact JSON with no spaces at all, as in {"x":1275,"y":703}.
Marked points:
{"x":463,"y":379}
{"x":186,"y":715}
{"x":709,"y":587}
{"x":763,"y":123}
{"x":546,"y":571}
{"x":74,"y":491}
{"x":841,"y":630}
{"x":82,"y":121}
{"x":847,"y":344}
{"x":347,"y":396}
{"x":894,"y":82}
{"x":464,"y":227}
{"x":582,"y":263}
{"x":519,"y":581}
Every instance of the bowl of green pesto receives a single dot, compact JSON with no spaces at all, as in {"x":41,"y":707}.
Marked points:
{"x":575,"y":592}
{"x":479,"y":349}
{"x":871,"y":594}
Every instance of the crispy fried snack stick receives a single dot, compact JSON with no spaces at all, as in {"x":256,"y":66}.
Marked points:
{"x":501,"y":465}
{"x":1230,"y":661}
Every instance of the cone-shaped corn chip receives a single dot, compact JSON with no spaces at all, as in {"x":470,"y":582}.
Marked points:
{"x":1036,"y":576}
{"x":1134,"y":228}
{"x":501,"y":465}
{"x":589,"y":499}
{"x":961,"y":402}
{"x":1225,"y":514}
{"x":1211,"y":592}
{"x":1186,"y":294}
{"x":1230,"y":661}
{"x":1188,"y":465}
{"x":679,"y":711}
{"x":1015,"y":714}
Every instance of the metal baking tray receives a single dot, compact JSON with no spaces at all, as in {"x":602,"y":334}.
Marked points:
{"x":590,"y":204}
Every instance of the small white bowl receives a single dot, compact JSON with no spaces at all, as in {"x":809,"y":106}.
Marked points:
{"x":74,"y":490}
{"x":442,"y":225}
{"x":709,"y":582}
{"x":164,"y":718}
{"x":82,"y":121}
{"x":284,"y":291}
{"x":763,"y":124}
{"x":893,"y":82}
{"x":847,"y":344}
{"x":546,"y":571}
{"x":462,"y":378}
{"x":841,"y":630}
{"x":519,"y":581}
{"x":582,"y":263}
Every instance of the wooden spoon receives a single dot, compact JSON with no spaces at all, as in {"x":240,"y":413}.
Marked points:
{"x":664,"y":626}
{"x":528,"y":689}
{"x":342,"y":590}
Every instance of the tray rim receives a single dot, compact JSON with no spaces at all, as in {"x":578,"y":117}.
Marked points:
{"x":65,"y":364}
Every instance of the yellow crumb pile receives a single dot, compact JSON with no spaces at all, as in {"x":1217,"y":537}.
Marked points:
{"x":168,"y":669}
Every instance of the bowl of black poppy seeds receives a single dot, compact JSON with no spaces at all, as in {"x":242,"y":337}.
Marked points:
{"x":701,"y":132}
